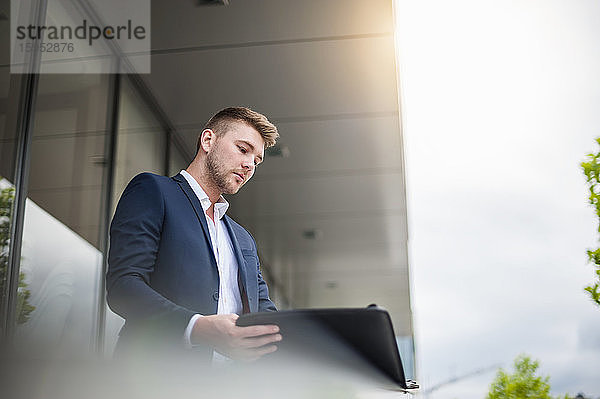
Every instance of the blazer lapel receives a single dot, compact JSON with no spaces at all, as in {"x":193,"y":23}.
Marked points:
{"x":195,"y":202}
{"x":242,"y":278}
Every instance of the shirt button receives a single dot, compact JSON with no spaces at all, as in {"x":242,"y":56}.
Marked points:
{"x":216,"y":295}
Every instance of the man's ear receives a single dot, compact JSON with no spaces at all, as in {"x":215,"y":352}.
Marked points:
{"x":206,"y":139}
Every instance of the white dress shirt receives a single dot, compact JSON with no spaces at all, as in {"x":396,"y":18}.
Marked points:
{"x":230,"y":300}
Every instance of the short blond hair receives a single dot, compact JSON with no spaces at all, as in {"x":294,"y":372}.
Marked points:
{"x":221,"y":121}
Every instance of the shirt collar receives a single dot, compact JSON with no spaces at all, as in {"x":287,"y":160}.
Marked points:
{"x":221,"y":205}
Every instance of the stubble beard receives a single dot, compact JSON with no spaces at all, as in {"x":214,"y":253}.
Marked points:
{"x":218,"y":175}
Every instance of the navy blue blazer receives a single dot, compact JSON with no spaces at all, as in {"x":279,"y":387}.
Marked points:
{"x":161,"y":266}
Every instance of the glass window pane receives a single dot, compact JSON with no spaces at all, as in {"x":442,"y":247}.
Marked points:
{"x":177,"y":160}
{"x":61,"y":258}
{"x":10,"y":86}
{"x":141,"y":140}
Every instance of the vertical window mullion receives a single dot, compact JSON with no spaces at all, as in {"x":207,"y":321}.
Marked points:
{"x":25,"y":120}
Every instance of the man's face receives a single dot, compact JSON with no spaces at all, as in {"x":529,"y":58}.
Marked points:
{"x":234,"y":156}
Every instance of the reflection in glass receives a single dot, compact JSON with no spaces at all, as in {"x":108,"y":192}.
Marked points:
{"x":10,"y":88}
{"x":60,"y":271}
{"x":60,"y":257}
{"x":141,"y":140}
{"x":23,"y":302}
{"x":177,"y":159}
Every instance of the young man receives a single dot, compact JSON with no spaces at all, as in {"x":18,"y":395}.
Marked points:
{"x":180,"y":270}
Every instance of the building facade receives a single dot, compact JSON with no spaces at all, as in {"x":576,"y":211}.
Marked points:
{"x":327,"y":209}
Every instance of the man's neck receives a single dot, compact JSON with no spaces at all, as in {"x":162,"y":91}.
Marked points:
{"x":206,"y":183}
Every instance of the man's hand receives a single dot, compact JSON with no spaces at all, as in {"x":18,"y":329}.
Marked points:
{"x":240,"y":343}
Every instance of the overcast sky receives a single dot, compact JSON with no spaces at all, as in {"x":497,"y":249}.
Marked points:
{"x":501,"y":102}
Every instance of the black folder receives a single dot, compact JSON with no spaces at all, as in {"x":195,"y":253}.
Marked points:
{"x":351,"y":337}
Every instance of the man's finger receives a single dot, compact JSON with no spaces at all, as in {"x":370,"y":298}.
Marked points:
{"x":254,"y":354}
{"x":260,"y":341}
{"x":265,"y":350}
{"x":255,"y":331}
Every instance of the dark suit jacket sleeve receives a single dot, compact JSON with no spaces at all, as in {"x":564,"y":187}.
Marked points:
{"x":264,"y":302}
{"x":134,"y":243}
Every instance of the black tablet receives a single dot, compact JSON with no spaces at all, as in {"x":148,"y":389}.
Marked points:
{"x":352,"y":337}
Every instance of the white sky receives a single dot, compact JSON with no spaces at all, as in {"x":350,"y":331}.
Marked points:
{"x":501,"y":102}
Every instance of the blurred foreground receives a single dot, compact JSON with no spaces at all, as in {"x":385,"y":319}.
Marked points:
{"x":184,"y":375}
